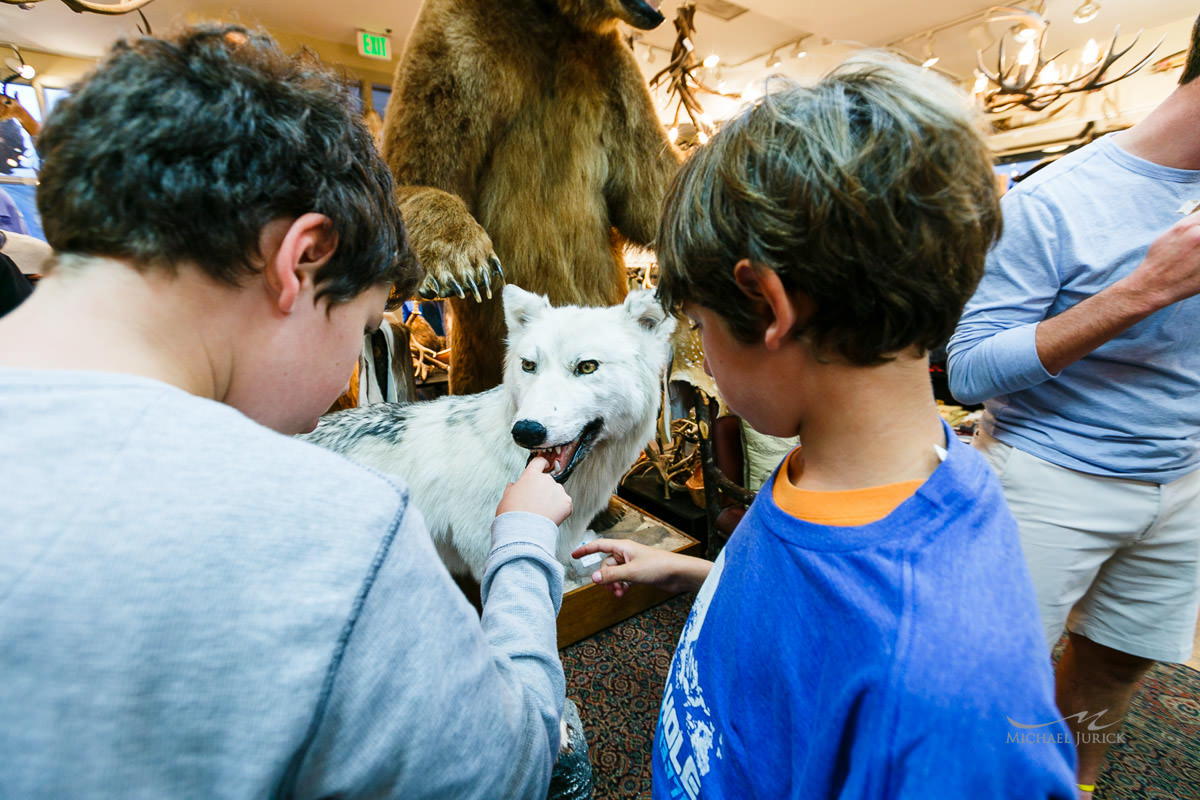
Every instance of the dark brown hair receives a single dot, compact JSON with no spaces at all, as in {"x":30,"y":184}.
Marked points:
{"x":182,"y":149}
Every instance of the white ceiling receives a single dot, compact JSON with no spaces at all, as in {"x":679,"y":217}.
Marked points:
{"x":49,"y":26}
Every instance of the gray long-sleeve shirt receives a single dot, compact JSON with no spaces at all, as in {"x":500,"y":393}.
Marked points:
{"x":194,"y":606}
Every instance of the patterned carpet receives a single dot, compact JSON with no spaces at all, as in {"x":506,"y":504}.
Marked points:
{"x":616,"y":678}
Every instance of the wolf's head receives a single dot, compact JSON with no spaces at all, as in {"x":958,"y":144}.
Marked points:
{"x":581,"y":378}
{"x":592,"y":14}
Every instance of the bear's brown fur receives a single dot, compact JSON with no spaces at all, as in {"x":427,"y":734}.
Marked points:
{"x":523,"y":129}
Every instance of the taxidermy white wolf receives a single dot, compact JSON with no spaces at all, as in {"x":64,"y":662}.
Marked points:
{"x":581,"y":388}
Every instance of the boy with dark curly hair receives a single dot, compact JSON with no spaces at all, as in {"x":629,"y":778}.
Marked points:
{"x":194,"y":605}
{"x":869,"y":629}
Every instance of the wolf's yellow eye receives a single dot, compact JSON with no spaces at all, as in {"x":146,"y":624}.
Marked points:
{"x":528,"y":365}
{"x":586,"y":367}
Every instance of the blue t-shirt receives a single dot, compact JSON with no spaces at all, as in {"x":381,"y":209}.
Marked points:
{"x":897,"y":659}
{"x":1128,"y":409}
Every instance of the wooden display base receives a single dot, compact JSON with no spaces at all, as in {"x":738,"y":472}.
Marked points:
{"x":588,"y":608}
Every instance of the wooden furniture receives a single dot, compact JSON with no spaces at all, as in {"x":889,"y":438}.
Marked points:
{"x":588,"y":608}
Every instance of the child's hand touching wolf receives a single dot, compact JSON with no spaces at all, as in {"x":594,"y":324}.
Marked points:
{"x":536,"y":492}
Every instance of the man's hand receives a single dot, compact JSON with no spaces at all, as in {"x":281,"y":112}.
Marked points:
{"x":1170,"y":272}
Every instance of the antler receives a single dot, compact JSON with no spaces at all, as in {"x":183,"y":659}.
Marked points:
{"x":1017,"y":84}
{"x":680,"y":72}
{"x":79,"y":6}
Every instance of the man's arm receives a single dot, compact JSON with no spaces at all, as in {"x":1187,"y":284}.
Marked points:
{"x":1169,"y":273}
{"x":993,"y":350}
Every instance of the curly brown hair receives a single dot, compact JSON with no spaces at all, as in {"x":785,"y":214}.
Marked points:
{"x":182,"y":149}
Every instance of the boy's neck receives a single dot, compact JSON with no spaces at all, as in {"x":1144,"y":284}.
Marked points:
{"x":103,"y":315}
{"x":874,"y":426}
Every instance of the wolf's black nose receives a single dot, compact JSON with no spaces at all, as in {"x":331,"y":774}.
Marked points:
{"x":528,"y":433}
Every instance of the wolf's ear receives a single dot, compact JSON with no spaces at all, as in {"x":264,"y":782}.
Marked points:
{"x":521,"y":306}
{"x":644,"y":309}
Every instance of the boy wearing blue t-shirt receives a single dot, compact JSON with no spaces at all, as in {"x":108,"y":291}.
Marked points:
{"x":870,"y":628}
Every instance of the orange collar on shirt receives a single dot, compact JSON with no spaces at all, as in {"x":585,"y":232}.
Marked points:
{"x":852,"y":507}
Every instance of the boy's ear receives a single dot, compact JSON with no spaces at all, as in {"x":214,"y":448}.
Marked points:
{"x":783,"y":310}
{"x":294,"y":251}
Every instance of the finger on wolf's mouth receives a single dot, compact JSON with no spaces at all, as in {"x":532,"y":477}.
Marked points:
{"x":549,"y":465}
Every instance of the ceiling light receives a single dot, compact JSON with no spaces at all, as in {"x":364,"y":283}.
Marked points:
{"x":711,"y":60}
{"x":1086,"y":12}
{"x":1056,"y":148}
{"x":1028,"y":55}
{"x":773,"y":60}
{"x":14,"y":66}
{"x":930,"y":57}
{"x":1025,"y":34}
{"x":1030,"y":82}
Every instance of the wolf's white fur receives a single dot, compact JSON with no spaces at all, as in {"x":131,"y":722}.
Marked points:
{"x":457,"y":453}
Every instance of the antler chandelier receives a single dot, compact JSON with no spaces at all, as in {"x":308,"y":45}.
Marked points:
{"x":1036,"y":83}
{"x":80,"y":6}
{"x":680,"y":77}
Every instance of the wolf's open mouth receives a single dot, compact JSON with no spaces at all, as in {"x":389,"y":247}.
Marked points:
{"x":565,"y":457}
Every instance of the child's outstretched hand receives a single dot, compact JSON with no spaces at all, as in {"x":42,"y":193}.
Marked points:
{"x":536,"y":492}
{"x":631,"y":562}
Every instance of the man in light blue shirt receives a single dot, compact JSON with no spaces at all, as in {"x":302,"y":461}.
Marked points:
{"x":1083,"y":341}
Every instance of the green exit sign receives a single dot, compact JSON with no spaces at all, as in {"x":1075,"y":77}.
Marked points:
{"x":374,"y":45}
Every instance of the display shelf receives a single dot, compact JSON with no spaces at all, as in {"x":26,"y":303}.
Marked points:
{"x":646,"y":492}
{"x":588,"y":608}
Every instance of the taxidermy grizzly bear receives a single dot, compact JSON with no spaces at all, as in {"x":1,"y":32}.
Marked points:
{"x":521,"y":133}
